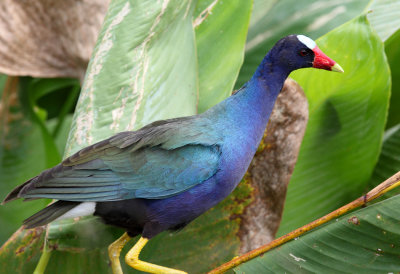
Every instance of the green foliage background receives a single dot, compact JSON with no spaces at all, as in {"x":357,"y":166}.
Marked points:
{"x":188,"y":62}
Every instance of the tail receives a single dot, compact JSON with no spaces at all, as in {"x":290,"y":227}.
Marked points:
{"x":20,"y":190}
{"x":49,"y":213}
{"x":15,"y":193}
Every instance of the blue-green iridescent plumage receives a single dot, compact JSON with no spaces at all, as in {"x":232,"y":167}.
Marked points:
{"x":139,"y":164}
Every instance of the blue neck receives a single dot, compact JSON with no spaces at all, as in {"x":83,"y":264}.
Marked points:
{"x":250,"y":108}
{"x":241,"y":119}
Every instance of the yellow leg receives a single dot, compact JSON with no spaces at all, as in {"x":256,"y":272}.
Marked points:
{"x":114,"y":250}
{"x":132,"y":259}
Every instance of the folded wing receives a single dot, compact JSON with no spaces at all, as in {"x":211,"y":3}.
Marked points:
{"x":158,"y":161}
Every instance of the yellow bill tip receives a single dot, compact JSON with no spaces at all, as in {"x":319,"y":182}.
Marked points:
{"x":337,"y":67}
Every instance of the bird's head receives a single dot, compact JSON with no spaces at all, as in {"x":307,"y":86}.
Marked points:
{"x":299,"y":51}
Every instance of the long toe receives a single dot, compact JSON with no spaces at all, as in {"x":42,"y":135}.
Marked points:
{"x":114,"y":251}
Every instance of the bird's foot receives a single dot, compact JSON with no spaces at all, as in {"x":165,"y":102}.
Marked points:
{"x":132,"y":259}
{"x":152,"y":268}
{"x":114,"y":250}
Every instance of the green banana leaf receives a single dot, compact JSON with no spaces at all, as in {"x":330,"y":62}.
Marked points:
{"x":132,"y":77}
{"x":384,"y":17}
{"x":21,"y":142}
{"x":389,"y":159}
{"x":392,"y":48}
{"x":29,"y":144}
{"x":363,"y":241}
{"x":385,"y":20}
{"x":219,"y":61}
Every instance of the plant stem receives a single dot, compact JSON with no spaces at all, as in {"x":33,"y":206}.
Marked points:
{"x":44,"y":259}
{"x":66,"y":108}
{"x":378,"y":191}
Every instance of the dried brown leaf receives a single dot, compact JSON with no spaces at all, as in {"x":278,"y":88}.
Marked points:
{"x":47,"y":38}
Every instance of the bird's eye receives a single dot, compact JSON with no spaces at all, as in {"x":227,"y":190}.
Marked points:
{"x":303,"y":52}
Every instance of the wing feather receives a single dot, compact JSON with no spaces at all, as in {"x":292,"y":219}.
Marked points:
{"x":157,"y":161}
